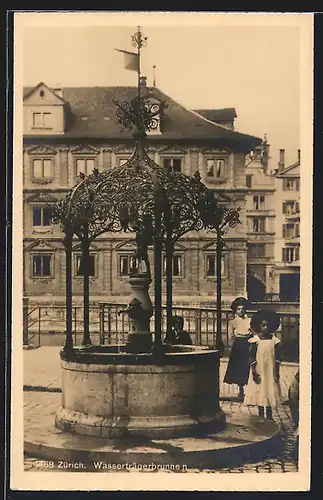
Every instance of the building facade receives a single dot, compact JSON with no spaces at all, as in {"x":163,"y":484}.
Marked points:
{"x":73,"y":130}
{"x":287,"y":241}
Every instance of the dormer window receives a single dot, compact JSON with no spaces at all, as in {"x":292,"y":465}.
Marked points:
{"x":44,"y":112}
{"x":42,"y":120}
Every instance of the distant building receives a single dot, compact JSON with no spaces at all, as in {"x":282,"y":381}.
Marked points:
{"x":260,"y":213}
{"x":287,"y":240}
{"x":70,"y":131}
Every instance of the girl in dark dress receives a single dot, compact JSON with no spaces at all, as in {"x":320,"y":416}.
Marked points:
{"x":239,"y":334}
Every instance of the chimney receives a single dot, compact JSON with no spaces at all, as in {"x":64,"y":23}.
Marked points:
{"x":299,"y":155}
{"x":281,"y":162}
{"x":58,"y":91}
{"x":143,"y":82}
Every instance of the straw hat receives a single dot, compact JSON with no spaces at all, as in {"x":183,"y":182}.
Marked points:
{"x":240,"y":301}
{"x":272,"y":318}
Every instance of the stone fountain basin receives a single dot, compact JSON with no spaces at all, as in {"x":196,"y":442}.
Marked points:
{"x":107,"y":392}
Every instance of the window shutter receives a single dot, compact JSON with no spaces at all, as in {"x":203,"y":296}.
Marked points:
{"x":297,"y":253}
{"x":46,"y":265}
{"x":37,"y":216}
{"x":177,"y":164}
{"x":47,"y":213}
{"x":47,"y":118}
{"x":80,"y":167}
{"x":284,"y":256}
{"x":37,"y":168}
{"x":37,"y":120}
{"x":90,"y":164}
{"x":92,"y":265}
{"x":36,"y":265}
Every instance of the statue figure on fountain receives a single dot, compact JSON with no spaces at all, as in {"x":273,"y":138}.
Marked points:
{"x":144,"y":238}
{"x":140,"y":308}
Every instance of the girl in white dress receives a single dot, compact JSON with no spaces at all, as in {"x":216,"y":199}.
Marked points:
{"x":263,"y":389}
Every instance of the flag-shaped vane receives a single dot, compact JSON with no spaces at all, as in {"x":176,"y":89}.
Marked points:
{"x":131,"y":60}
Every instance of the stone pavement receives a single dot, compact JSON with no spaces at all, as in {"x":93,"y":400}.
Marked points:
{"x":42,"y":372}
{"x":44,"y":403}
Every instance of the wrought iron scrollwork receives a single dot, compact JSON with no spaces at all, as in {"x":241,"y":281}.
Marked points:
{"x":139,"y":113}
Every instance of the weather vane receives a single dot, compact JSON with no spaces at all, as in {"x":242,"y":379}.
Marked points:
{"x":138,"y":113}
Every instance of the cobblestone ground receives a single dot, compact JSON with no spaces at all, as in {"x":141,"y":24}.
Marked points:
{"x":286,"y":462}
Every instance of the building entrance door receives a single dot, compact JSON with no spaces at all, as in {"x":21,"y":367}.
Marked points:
{"x":289,"y":287}
{"x":256,"y":283}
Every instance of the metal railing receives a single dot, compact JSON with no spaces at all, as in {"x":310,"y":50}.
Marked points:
{"x":45,"y":325}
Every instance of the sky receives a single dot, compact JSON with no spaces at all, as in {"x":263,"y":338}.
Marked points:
{"x":254,"y":68}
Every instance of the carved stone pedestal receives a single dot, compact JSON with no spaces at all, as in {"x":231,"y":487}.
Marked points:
{"x":140,"y":310}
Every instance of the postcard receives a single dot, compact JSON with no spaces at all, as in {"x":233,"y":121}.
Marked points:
{"x":162,"y":186}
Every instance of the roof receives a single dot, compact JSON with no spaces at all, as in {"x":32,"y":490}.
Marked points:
{"x":285,"y":170}
{"x":218,"y":115}
{"x":94,"y":116}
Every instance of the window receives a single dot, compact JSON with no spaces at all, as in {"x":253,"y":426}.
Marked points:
{"x":290,"y":254}
{"x":41,"y":216}
{"x":291,"y":230}
{"x":37,"y":119}
{"x":288,"y":230}
{"x":258,"y":224}
{"x":80,"y":267}
{"x":291,"y":184}
{"x":210,"y":265}
{"x":177,"y":265}
{"x":256,"y":250}
{"x":84,"y":166}
{"x":42,"y":168}
{"x":42,"y":120}
{"x":290,"y":207}
{"x":41,"y":265}
{"x":215,"y":168}
{"x":248,"y":181}
{"x":174,"y":164}
{"x":259,"y":203}
{"x":126,"y":263}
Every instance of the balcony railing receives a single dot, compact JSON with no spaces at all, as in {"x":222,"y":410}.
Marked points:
{"x":45,"y":325}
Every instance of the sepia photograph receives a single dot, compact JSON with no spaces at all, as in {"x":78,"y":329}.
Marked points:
{"x":161,"y":307}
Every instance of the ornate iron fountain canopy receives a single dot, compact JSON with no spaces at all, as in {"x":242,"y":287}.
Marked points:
{"x":124,"y":198}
